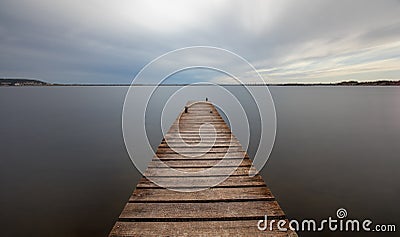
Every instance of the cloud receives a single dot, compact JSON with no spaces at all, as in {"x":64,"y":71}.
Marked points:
{"x":287,"y":40}
{"x":355,"y":64}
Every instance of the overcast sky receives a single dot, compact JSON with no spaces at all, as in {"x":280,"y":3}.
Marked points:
{"x":287,"y":41}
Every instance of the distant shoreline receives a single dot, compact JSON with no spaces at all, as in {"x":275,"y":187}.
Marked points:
{"x":21,"y":82}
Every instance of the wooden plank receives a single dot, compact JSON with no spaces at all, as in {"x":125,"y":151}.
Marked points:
{"x":207,"y":156}
{"x":172,"y":134}
{"x":199,"y":163}
{"x":207,"y":195}
{"x":193,"y":145}
{"x":204,"y":211}
{"x":209,"y":132}
{"x":198,"y":125}
{"x":195,"y":228}
{"x":197,"y":138}
{"x":198,"y":122}
{"x":201,"y":182}
{"x":204,"y":126}
{"x":220,"y":136}
{"x":189,"y":150}
{"x":201,"y":119}
{"x":194,"y":172}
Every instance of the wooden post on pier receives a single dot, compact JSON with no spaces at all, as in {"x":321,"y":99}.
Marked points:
{"x":232,"y":208}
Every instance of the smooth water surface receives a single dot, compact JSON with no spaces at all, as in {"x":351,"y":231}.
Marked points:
{"x":64,"y":170}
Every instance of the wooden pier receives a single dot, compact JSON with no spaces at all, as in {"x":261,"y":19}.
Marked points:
{"x":231,"y":208}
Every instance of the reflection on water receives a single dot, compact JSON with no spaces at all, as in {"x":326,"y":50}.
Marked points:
{"x":64,"y":169}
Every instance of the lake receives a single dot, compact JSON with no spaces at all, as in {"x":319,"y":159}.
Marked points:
{"x":64,"y":169}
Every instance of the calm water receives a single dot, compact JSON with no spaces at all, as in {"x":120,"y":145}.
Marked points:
{"x":64,"y":170}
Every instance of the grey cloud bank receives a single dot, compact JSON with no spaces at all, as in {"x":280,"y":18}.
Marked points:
{"x":287,"y":41}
